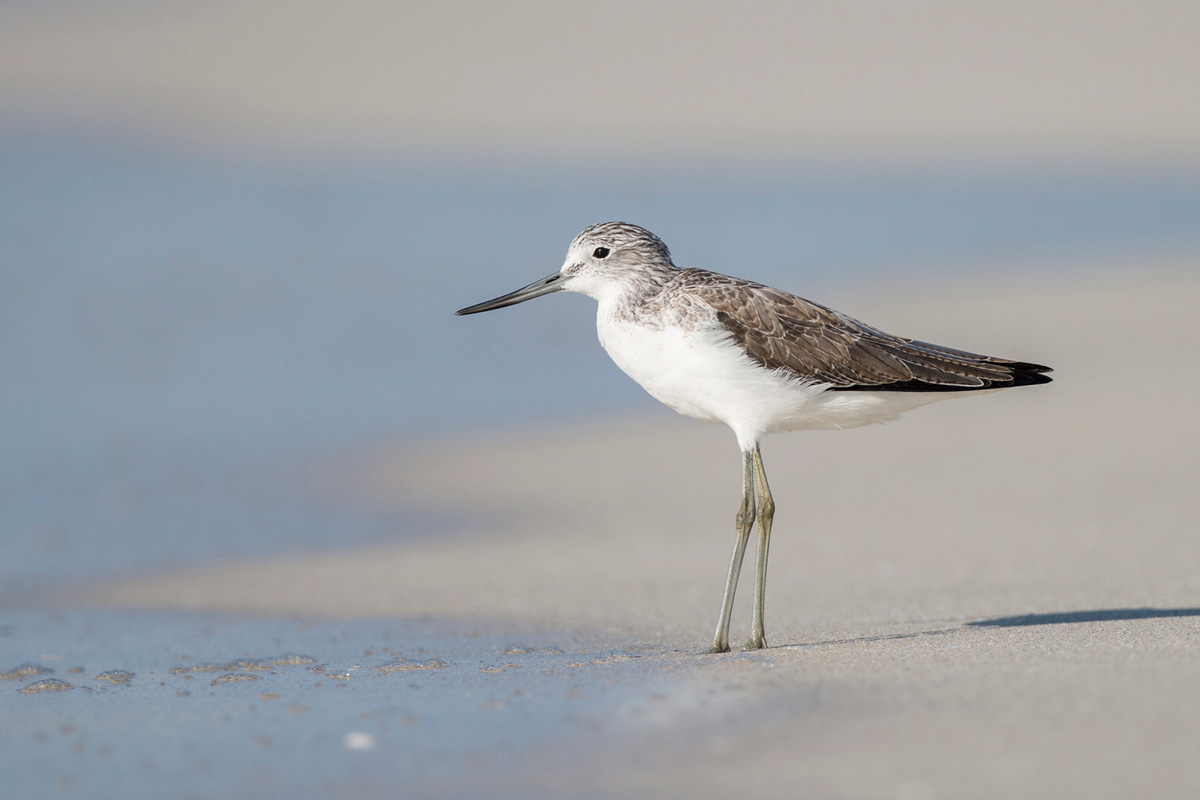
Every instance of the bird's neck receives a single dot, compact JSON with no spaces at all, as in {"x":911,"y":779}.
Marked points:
{"x":630,"y":295}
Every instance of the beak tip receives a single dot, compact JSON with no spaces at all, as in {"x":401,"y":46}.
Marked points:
{"x":536,"y":289}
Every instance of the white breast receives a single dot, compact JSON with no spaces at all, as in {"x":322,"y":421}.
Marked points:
{"x":697,"y":370}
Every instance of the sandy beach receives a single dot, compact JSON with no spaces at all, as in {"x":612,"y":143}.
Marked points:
{"x":278,"y":525}
{"x":992,"y":597}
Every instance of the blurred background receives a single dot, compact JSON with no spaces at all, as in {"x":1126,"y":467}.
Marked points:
{"x":232,"y":234}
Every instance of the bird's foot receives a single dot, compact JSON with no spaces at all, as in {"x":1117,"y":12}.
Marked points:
{"x":755,"y":643}
{"x":717,"y":647}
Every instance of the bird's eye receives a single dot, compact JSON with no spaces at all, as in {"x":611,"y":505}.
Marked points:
{"x":601,"y":252}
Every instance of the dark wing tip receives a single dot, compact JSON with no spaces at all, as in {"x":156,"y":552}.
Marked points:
{"x":1026,"y":374}
{"x":1021,"y":374}
{"x":1029,"y":379}
{"x":1025,"y":366}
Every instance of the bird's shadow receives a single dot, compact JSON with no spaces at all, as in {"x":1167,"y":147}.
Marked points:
{"x":1023,"y":620}
{"x":1094,"y":615}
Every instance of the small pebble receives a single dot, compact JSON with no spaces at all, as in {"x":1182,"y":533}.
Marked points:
{"x":359,"y":740}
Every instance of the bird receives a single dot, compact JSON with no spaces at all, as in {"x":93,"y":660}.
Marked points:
{"x":757,"y":359}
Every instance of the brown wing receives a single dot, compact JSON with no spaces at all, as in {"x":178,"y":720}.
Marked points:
{"x":782,"y":331}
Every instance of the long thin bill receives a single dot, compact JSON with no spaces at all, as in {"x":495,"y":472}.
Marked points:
{"x":548,"y":284}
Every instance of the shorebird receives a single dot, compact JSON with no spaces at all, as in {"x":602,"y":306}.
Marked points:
{"x":757,"y":359}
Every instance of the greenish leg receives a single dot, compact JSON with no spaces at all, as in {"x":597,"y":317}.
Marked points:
{"x":745,"y":520}
{"x":766,"y":511}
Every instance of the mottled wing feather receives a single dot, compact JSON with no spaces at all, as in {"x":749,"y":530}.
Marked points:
{"x":815,"y":343}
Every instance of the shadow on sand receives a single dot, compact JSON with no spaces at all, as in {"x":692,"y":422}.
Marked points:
{"x":1053,"y":618}
{"x":1095,"y":615}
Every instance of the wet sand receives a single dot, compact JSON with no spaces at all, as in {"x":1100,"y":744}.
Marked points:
{"x":992,"y":597}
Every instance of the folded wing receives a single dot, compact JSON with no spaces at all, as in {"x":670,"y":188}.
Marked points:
{"x":815,"y":343}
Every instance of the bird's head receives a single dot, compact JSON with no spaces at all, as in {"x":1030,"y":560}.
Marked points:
{"x":603,"y":259}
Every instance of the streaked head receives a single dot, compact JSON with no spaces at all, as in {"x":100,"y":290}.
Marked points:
{"x":600,"y":258}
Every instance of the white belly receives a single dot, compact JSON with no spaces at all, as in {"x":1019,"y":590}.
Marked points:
{"x":703,"y":374}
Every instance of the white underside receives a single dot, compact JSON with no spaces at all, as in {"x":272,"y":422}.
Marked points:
{"x":703,"y":374}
